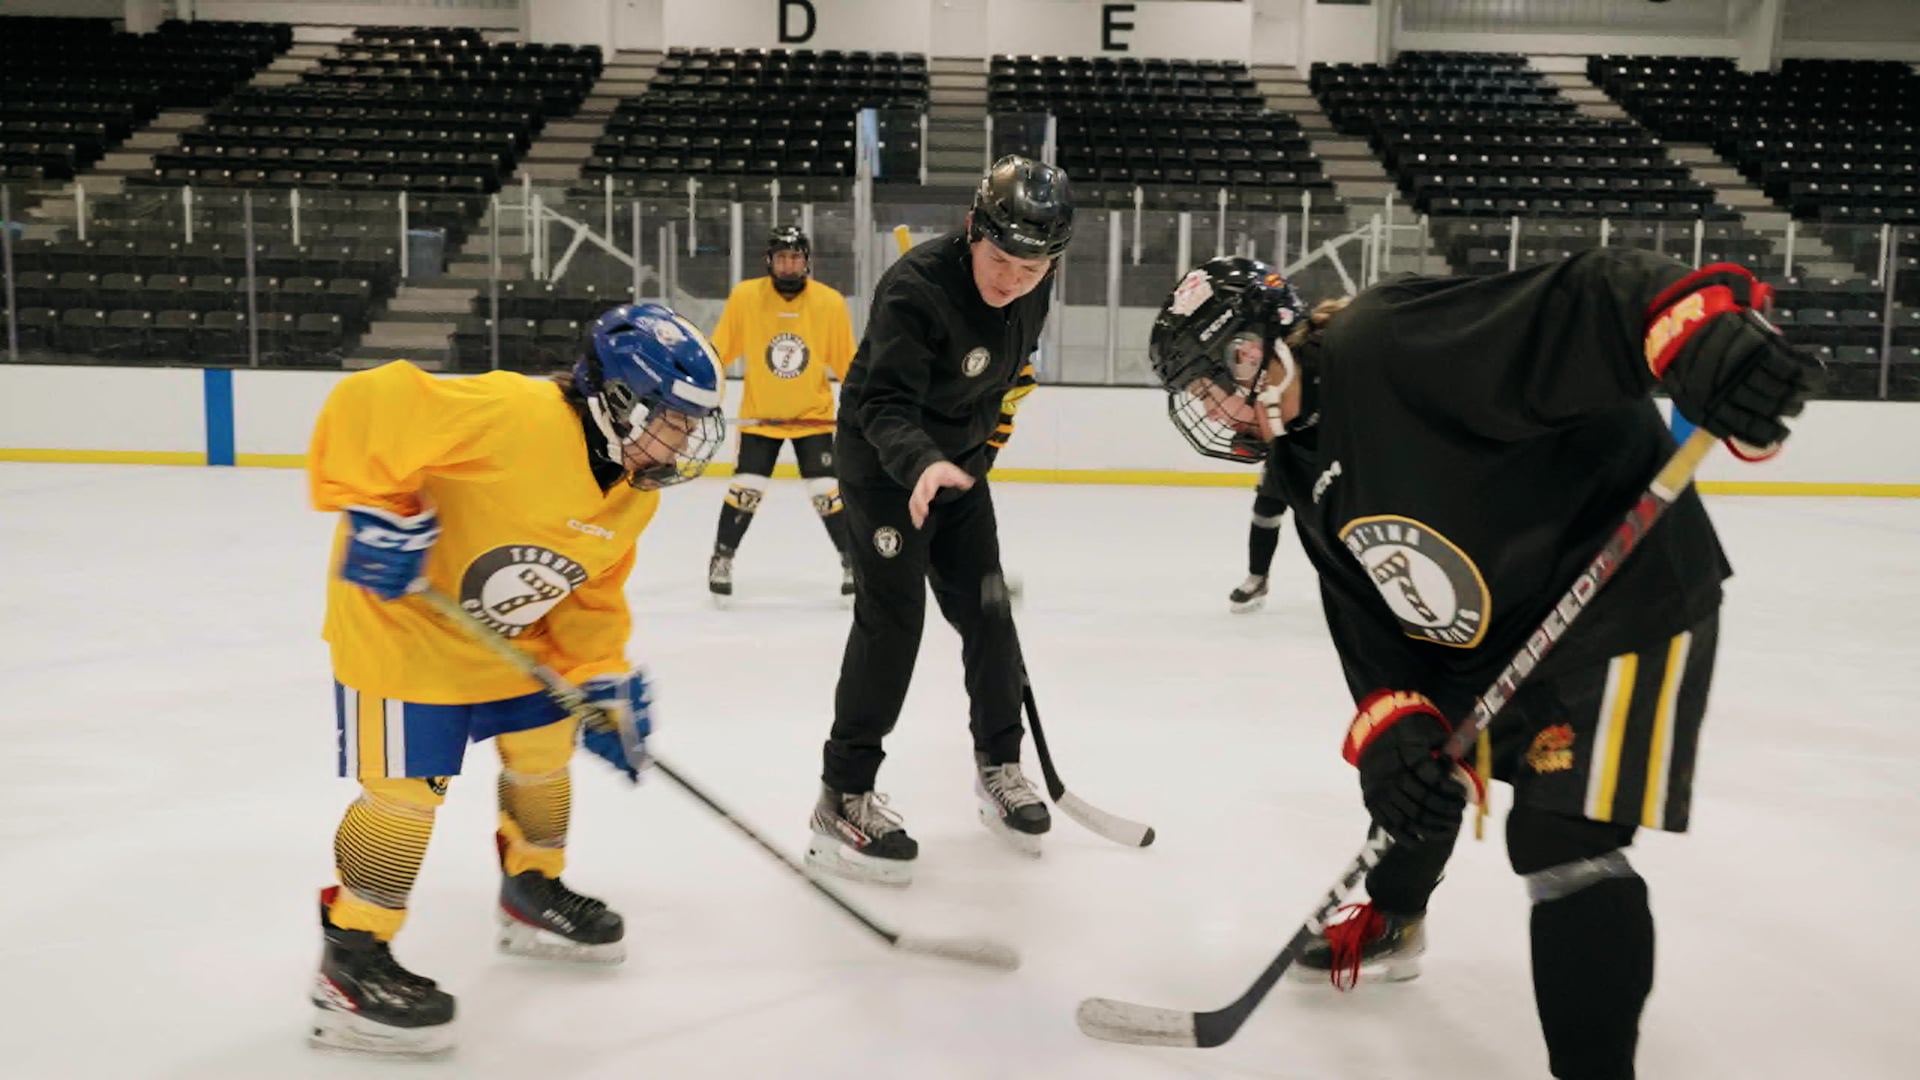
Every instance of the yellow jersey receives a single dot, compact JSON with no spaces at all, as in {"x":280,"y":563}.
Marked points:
{"x":789,"y":346}
{"x":528,"y":542}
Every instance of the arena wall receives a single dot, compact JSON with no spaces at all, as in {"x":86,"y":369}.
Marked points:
{"x":1066,"y":434}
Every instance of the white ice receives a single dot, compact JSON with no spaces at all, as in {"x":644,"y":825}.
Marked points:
{"x":168,"y":808}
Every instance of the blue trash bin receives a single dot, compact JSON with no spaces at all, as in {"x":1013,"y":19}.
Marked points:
{"x":426,"y":253}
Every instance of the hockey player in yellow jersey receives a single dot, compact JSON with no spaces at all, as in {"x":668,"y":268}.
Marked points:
{"x":522,"y":499}
{"x":790,"y":331}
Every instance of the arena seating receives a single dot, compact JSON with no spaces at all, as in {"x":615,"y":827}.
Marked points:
{"x":743,"y":116}
{"x":1482,"y":135}
{"x":1831,"y":140}
{"x":1180,"y":130}
{"x":72,"y":90}
{"x":444,"y":112}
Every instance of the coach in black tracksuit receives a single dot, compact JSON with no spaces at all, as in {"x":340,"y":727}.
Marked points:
{"x":1456,"y":451}
{"x":952,"y":330}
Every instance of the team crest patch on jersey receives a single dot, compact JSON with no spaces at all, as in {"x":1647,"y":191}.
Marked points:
{"x":886,"y":541}
{"x":1435,"y":591}
{"x":1552,"y":750}
{"x":787,"y":355}
{"x":976,"y":362}
{"x":510,"y":588}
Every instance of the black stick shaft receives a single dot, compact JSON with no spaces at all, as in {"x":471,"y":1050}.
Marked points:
{"x":569,"y":697}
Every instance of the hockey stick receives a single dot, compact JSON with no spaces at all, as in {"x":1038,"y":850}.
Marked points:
{"x":1149,"y":1025}
{"x":979,"y":951}
{"x":1115,"y":828}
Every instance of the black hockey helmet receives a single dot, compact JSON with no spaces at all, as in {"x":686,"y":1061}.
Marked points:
{"x":1025,"y":207}
{"x":789,"y":238}
{"x":1210,"y":346}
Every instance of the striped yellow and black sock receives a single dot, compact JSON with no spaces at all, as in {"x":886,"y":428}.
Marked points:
{"x":534,"y":814}
{"x":378,"y":850}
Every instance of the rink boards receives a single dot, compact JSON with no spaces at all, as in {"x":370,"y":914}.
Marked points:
{"x":1066,"y":434}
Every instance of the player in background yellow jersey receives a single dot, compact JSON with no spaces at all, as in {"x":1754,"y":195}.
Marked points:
{"x":791,"y":332}
{"x":522,"y":499}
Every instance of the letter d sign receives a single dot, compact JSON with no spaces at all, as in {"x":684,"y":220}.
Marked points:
{"x":812,"y":20}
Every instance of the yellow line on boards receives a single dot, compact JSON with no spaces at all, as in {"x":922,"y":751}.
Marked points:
{"x":107,"y":457}
{"x":1139,"y":477}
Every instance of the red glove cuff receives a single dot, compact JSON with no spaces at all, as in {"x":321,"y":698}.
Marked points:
{"x":1381,"y":710}
{"x":1685,"y":306}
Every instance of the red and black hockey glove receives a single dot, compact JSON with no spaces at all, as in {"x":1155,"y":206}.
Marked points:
{"x":1411,"y":788}
{"x":1726,"y":367}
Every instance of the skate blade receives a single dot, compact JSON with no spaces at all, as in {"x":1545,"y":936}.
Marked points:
{"x":1398,"y":969}
{"x":522,"y":939}
{"x":720,"y":601}
{"x":1244,"y":606}
{"x":1027,"y":844}
{"x":829,"y":856}
{"x":336,"y":1030}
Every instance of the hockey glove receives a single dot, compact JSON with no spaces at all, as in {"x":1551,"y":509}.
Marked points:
{"x":1411,"y":788}
{"x":1726,"y":367}
{"x":385,"y":550}
{"x":619,"y":719}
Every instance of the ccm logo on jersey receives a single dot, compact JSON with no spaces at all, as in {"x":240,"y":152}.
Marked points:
{"x":591,"y":530}
{"x":1325,"y":481}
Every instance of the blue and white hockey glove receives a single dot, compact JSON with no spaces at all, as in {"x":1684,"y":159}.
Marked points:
{"x":620,"y":721}
{"x":385,"y":550}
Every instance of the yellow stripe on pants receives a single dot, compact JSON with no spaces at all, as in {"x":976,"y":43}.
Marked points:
{"x":1614,"y":708}
{"x":370,"y":730}
{"x":1653,"y":809}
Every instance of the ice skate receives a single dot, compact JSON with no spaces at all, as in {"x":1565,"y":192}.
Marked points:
{"x":363,"y":1000}
{"x":1367,"y":943}
{"x":541,"y":917}
{"x":1010,"y":808}
{"x":846,"y":579}
{"x":1249,"y":595}
{"x":720,"y":580}
{"x":860,"y":838}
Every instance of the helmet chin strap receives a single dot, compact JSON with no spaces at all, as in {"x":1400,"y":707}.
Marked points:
{"x":596,"y":405}
{"x":1267,"y":399}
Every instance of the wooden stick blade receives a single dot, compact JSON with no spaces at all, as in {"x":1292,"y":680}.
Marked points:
{"x":976,"y":951}
{"x":1112,"y":826}
{"x":1141,"y":1025}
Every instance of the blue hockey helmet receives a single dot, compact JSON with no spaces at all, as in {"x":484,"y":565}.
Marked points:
{"x":652,"y":385}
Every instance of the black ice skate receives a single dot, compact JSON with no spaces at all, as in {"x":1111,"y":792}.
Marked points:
{"x":720,"y":579}
{"x":541,"y":917}
{"x":1010,"y":808}
{"x":1249,"y":595}
{"x":859,"y":837}
{"x":846,"y":577}
{"x":1367,"y":942}
{"x":364,"y":1000}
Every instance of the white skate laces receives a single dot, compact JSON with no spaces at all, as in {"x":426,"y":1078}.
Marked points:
{"x":1008,"y":786}
{"x":869,"y":812}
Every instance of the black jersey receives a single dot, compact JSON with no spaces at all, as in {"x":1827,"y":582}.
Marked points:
{"x":1479,"y":440}
{"x":931,"y":372}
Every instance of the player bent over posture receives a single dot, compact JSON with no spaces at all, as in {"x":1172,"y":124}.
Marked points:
{"x":924,"y":412}
{"x":1456,"y":451}
{"x":792,"y":331}
{"x":521,"y":499}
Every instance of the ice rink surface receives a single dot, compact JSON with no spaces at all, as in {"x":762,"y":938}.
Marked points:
{"x":169,"y":808}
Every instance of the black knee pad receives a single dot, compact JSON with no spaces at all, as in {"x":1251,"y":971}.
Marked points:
{"x":1537,"y":839}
